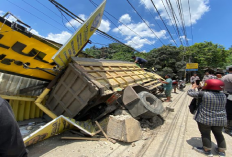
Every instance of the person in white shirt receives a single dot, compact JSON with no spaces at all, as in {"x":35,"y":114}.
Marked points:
{"x":194,"y":78}
{"x":207,"y":77}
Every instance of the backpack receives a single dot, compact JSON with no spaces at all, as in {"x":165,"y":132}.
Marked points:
{"x":195,"y":103}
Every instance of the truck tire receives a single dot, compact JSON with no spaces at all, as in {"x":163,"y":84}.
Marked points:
{"x":151,"y":103}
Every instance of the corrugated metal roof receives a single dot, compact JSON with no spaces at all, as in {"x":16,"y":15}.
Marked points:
{"x":12,"y":84}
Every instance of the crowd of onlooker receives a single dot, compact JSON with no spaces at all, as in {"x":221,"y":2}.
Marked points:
{"x":213,"y":96}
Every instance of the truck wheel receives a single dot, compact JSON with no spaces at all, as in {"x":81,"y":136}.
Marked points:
{"x":151,"y":103}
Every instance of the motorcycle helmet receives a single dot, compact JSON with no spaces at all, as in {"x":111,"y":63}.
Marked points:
{"x":213,"y":84}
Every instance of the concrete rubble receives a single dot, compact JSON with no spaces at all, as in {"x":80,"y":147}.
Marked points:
{"x":124,"y":128}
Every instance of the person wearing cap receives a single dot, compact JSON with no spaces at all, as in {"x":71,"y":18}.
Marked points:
{"x":211,"y":115}
{"x":194,"y":78}
{"x":167,"y":86}
{"x":139,"y":61}
{"x":11,"y":141}
{"x":227,"y":79}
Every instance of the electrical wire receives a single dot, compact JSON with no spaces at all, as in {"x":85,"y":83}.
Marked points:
{"x":123,"y":24}
{"x":62,"y":15}
{"x":75,"y":17}
{"x":190,"y":21}
{"x":152,"y":15}
{"x":48,"y":8}
{"x":163,"y":22}
{"x":35,"y":15}
{"x":171,"y":20}
{"x":179,"y":7}
{"x":144,"y":21}
{"x":46,"y":15}
{"x":112,"y":22}
{"x":174,"y":18}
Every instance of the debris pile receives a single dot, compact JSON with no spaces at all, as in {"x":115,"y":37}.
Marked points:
{"x":124,"y":128}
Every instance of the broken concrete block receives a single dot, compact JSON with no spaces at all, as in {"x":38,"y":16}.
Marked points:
{"x":124,"y":128}
{"x":120,"y":112}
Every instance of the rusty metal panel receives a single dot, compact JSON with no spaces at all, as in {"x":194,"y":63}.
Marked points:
{"x":114,"y":76}
{"x":24,"y":110}
{"x":71,"y":94}
{"x":11,"y":84}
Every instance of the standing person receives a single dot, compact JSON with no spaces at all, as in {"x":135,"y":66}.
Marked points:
{"x":219,"y":76}
{"x":11,"y":142}
{"x":211,"y":115}
{"x":139,"y":61}
{"x":227,"y":79}
{"x":194,"y":78}
{"x":168,"y":87}
{"x":174,"y":85}
{"x":206,"y":77}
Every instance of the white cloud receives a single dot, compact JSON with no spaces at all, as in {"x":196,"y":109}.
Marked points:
{"x":82,"y":16}
{"x":198,"y":9}
{"x":183,"y":37}
{"x":74,"y":22}
{"x":141,"y":29}
{"x":125,"y":18}
{"x":146,"y":36}
{"x":1,"y":13}
{"x":137,"y":43}
{"x":105,"y":25}
{"x":60,"y":37}
{"x":35,"y":32}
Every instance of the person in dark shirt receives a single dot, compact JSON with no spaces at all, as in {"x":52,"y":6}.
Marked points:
{"x":11,"y":141}
{"x":139,"y":61}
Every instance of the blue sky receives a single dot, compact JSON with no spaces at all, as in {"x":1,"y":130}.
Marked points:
{"x":210,"y":21}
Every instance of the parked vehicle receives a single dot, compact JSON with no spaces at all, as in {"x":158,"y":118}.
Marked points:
{"x":181,"y":84}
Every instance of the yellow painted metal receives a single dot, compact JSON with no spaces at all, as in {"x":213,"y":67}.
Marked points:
{"x":17,"y":98}
{"x":115,"y":75}
{"x":59,"y":125}
{"x":19,"y":47}
{"x":23,"y":107}
{"x":42,"y":107}
{"x":79,"y":38}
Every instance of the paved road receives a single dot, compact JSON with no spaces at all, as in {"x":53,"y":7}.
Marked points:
{"x":173,"y":139}
{"x":179,"y":133}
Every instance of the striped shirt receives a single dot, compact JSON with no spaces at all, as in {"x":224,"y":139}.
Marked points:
{"x":211,"y":110}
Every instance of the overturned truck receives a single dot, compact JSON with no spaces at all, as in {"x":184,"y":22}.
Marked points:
{"x":93,"y":88}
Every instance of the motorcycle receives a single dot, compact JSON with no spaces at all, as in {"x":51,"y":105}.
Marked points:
{"x":181,"y":85}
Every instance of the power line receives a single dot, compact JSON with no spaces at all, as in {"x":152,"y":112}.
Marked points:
{"x":111,"y":21}
{"x":47,"y":15}
{"x":56,"y":14}
{"x":34,"y":15}
{"x":163,"y":22}
{"x":125,"y":25}
{"x":62,"y":15}
{"x":75,"y":17}
{"x":169,"y":17}
{"x":48,"y":8}
{"x":152,"y":15}
{"x":179,"y":7}
{"x":144,"y":21}
{"x":190,"y":21}
{"x":174,"y":18}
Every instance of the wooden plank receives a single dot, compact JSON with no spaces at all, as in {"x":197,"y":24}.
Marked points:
{"x":150,"y":83}
{"x":84,"y":138}
{"x":109,"y":139}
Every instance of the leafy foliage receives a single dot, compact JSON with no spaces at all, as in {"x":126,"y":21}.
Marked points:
{"x":170,"y":59}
